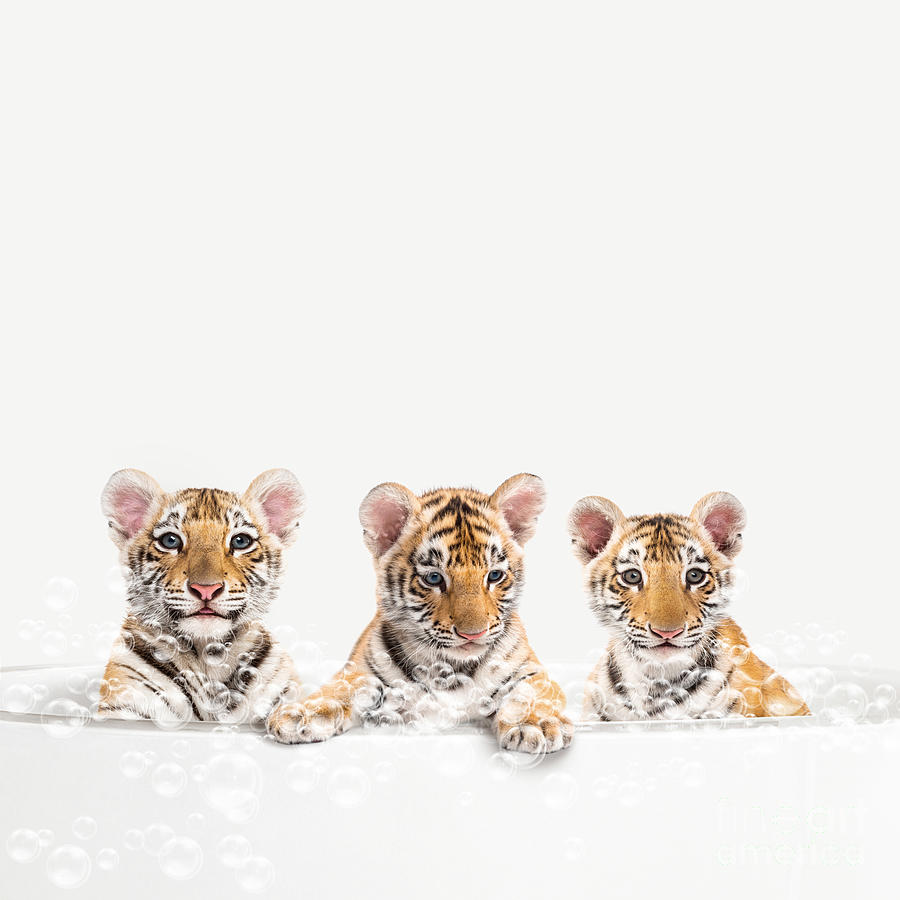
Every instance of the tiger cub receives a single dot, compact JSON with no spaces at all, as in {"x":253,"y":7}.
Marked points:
{"x":204,"y":566}
{"x":661,"y":584}
{"x":446,"y":643}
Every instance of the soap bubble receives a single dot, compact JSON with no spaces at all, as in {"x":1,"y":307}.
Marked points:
{"x":214,"y":654}
{"x":134,"y":839}
{"x":59,"y":594}
{"x":822,"y":680}
{"x":40,"y":691}
{"x":199,"y":773}
{"x":19,"y":698}
{"x":84,"y":828}
{"x":877,"y":713}
{"x":180,"y":858}
{"x":559,"y":791}
{"x":348,"y":786}
{"x":196,"y":821}
{"x":232,"y":785}
{"x":107,"y":859}
{"x":133,"y":764}
{"x":302,"y":776}
{"x":23,"y":845}
{"x":156,"y":837}
{"x":885,"y":694}
{"x":77,"y":683}
{"x":68,"y":866}
{"x":45,"y":836}
{"x":861,"y":664}
{"x":223,"y":737}
{"x":502,"y":765}
{"x":233,"y":850}
{"x":573,"y":849}
{"x":27,"y":630}
{"x":181,"y":749}
{"x":827,"y":644}
{"x":53,"y":643}
{"x":845,"y":702}
{"x":165,"y":647}
{"x":256,"y":874}
{"x":63,"y":718}
{"x":168,"y":779}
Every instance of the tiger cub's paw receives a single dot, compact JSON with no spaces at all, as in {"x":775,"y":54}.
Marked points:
{"x":544,"y":735}
{"x":306,"y":723}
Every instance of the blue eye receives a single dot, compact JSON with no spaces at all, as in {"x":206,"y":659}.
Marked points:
{"x":433,"y":579}
{"x":168,"y":540}
{"x":241,"y":542}
{"x":495,"y":575}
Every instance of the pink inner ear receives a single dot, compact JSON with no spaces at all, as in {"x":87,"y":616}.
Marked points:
{"x":281,"y":507}
{"x":595,"y":530}
{"x":386,"y":518}
{"x":722,"y":523}
{"x":522,"y":508}
{"x":131,"y":507}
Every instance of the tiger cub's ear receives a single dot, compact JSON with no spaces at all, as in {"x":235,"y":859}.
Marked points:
{"x":277,"y":495}
{"x":521,"y":500}
{"x":724,"y":517}
{"x":128,"y":500}
{"x":384,"y":512}
{"x":591,"y":525}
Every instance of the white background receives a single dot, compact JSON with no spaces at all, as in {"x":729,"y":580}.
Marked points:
{"x":642,"y":250}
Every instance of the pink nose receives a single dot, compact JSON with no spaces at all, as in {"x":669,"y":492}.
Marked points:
{"x":666,"y":634}
{"x":472,"y":637}
{"x":207,"y":591}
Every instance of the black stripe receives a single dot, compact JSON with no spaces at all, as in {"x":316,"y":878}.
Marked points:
{"x":144,"y":651}
{"x":395,"y":651}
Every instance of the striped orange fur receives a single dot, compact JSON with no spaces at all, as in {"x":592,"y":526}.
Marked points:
{"x":446,"y":640}
{"x":661,"y":584}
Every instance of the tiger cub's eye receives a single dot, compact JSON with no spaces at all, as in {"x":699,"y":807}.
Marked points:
{"x":695,"y":576}
{"x":433,"y":579}
{"x":495,"y":575}
{"x":241,"y":542}
{"x":168,"y":540}
{"x":632,"y":576}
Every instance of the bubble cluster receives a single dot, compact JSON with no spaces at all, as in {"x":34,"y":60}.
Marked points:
{"x":64,"y":718}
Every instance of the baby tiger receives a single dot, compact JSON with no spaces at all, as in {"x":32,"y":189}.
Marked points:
{"x":446,"y":641}
{"x":204,"y":567}
{"x":661,"y":584}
